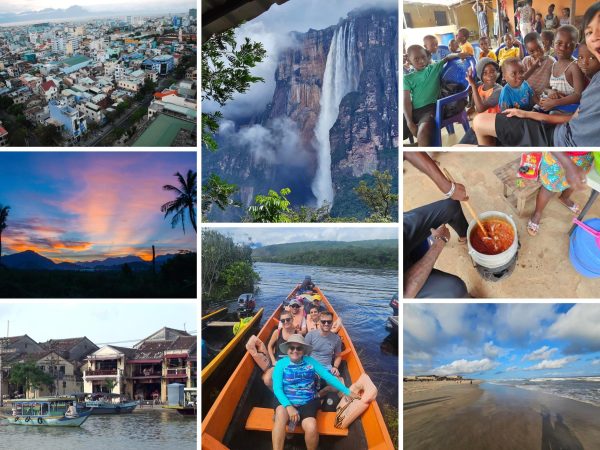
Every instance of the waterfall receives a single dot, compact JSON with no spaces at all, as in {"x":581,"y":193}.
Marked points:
{"x":340,"y":77}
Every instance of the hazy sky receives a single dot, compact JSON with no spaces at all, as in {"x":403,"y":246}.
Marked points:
{"x":82,"y":206}
{"x":283,"y":235}
{"x":100,"y":322}
{"x":17,"y":6}
{"x":272,"y":29}
{"x":502,"y":341}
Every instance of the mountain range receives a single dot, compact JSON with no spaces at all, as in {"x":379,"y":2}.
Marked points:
{"x":30,"y":260}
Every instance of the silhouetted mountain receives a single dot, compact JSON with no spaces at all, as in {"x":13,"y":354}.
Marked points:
{"x":46,"y":14}
{"x":33,"y":261}
{"x":28,"y":260}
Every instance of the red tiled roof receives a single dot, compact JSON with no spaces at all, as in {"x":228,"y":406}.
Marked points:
{"x":2,"y":133}
{"x":47,"y":85}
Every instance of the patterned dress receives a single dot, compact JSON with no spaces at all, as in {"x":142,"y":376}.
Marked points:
{"x":553,"y":176}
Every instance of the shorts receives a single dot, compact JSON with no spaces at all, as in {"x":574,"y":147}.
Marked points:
{"x":424,"y":114}
{"x":517,"y":132}
{"x":309,"y":409}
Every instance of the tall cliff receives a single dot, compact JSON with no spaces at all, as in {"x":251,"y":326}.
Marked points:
{"x":336,"y":91}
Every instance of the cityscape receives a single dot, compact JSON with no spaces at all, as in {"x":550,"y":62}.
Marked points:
{"x":106,"y":81}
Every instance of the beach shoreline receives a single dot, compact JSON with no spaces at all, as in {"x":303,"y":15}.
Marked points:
{"x":447,"y":415}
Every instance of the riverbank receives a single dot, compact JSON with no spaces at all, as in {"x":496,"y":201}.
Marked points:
{"x":450,"y":416}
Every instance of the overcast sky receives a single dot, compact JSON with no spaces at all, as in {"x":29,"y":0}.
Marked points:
{"x":502,"y":341}
{"x":18,"y":6}
{"x":272,"y":30}
{"x":100,"y":322}
{"x":284,"y":235}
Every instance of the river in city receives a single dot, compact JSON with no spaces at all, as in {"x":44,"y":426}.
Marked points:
{"x":146,"y":428}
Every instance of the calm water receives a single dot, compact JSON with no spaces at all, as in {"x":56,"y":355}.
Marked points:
{"x":583,"y":389}
{"x":361,"y":298}
{"x":143,"y":429}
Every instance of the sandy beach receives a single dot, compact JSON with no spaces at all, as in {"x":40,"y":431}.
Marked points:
{"x":543,"y":267}
{"x":446,"y":415}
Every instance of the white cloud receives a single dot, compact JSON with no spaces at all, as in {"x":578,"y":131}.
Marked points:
{"x":492,"y":351}
{"x":553,"y":364}
{"x":580,"y":326}
{"x":596,"y":362}
{"x":417,"y":355}
{"x":512,"y":368}
{"x":544,"y":352}
{"x":419,"y":324}
{"x":520,"y":321}
{"x":451,"y":317}
{"x":462,"y":366}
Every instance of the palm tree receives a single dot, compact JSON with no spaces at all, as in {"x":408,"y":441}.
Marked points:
{"x":3,"y":217}
{"x":185,"y":202}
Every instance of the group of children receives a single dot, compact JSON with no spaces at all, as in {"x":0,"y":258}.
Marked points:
{"x":548,"y":80}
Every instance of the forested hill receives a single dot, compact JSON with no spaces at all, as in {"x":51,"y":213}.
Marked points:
{"x":376,"y":254}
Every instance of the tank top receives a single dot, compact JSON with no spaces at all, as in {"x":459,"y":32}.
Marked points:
{"x":280,"y":340}
{"x":560,"y":83}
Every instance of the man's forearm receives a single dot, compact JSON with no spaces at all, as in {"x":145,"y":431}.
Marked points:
{"x":417,"y":275}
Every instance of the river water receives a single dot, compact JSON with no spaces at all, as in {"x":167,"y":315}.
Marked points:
{"x":151,"y":428}
{"x":361,"y":298}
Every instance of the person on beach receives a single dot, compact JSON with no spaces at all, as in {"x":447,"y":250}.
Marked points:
{"x":538,"y":65}
{"x":560,"y":172}
{"x":587,"y":63}
{"x":295,"y":388}
{"x":427,"y":224}
{"x":279,"y":336}
{"x":566,"y":79}
{"x":516,"y":127}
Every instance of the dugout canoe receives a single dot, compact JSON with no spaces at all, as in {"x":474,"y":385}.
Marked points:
{"x":218,"y":335}
{"x":224,"y":426}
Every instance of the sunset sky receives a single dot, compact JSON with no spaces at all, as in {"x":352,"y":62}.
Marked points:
{"x":89,"y":206}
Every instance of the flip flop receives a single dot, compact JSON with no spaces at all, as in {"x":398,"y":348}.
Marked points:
{"x":574,"y":208}
{"x":533,"y":228}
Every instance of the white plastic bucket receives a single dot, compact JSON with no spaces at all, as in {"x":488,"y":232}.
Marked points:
{"x":493,"y":261}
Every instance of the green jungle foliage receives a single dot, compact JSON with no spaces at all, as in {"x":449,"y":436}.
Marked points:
{"x":175,"y":279}
{"x":226,"y":267}
{"x":376,"y":254}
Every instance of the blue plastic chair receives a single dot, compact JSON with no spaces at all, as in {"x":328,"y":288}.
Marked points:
{"x":443,"y":50}
{"x":477,"y":50}
{"x":454,"y":71}
{"x":567,"y":108}
{"x":576,"y":52}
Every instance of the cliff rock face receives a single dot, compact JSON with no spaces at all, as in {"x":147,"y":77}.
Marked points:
{"x":299,"y":78}
{"x":364,"y":137}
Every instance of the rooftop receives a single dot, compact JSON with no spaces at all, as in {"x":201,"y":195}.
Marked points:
{"x":162,"y":132}
{"x":76,"y":59}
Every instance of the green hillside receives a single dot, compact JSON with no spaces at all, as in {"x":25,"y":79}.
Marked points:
{"x":376,"y":254}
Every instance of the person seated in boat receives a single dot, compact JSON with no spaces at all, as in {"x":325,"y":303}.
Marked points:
{"x":560,"y":172}
{"x":307,"y":285}
{"x":426,"y":235}
{"x":327,"y":346}
{"x":295,"y":389}
{"x":312,"y":320}
{"x":72,"y":411}
{"x":279,"y":336}
{"x":315,"y":300}
{"x":298,"y":317}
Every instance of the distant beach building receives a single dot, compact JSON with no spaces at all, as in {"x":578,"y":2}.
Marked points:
{"x":162,"y":64}
{"x":70,"y":119}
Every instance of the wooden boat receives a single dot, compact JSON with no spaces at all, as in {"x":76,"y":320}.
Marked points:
{"x":102,"y":403}
{"x":245,"y":404}
{"x":218,"y":335}
{"x":45,"y":412}
{"x":392,"y":324}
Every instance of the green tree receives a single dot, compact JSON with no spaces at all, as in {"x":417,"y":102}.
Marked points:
{"x":225,"y":72}
{"x":29,"y":376}
{"x":379,"y":198}
{"x":185,"y":202}
{"x":5,"y":102}
{"x":18,"y":137}
{"x":110,"y":384}
{"x":49,"y":135}
{"x":218,"y":192}
{"x":3,"y":216}
{"x":271,"y":208}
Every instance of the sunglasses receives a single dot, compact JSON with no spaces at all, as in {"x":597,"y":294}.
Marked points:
{"x":295,"y":306}
{"x":293,"y":348}
{"x":287,"y":319}
{"x":326,"y":322}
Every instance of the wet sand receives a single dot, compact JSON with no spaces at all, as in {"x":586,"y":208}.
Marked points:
{"x":493,"y":417}
{"x":543,"y":267}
